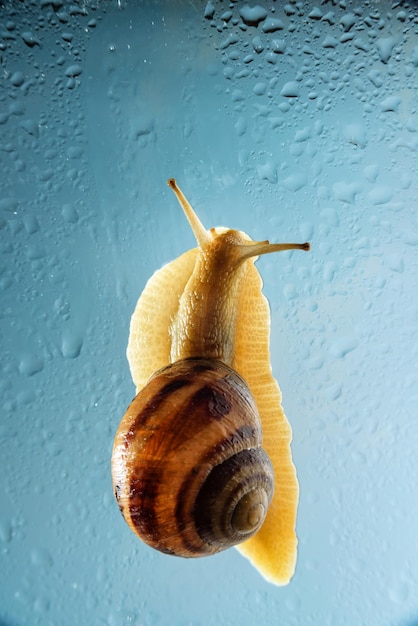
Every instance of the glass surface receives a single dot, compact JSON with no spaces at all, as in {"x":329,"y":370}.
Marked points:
{"x":294,"y":121}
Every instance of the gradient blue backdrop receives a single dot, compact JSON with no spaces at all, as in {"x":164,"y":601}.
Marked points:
{"x":294,"y":121}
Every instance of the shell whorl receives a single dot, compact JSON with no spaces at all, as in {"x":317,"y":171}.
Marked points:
{"x":246,"y":484}
{"x":189,"y":473}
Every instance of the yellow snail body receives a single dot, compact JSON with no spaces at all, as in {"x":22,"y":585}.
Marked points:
{"x":201,"y":460}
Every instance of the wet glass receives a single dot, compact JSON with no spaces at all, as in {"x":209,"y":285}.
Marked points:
{"x":290,"y":121}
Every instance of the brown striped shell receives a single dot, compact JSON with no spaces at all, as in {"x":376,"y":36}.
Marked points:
{"x":189,"y":473}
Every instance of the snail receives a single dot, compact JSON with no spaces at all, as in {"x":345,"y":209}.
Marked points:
{"x":201,"y":460}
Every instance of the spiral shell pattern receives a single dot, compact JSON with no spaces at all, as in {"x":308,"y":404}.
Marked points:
{"x":189,"y":473}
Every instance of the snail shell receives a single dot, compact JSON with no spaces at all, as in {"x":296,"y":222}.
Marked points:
{"x":182,"y":497}
{"x":199,"y":356}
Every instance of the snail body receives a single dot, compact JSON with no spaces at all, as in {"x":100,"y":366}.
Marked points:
{"x":201,"y":460}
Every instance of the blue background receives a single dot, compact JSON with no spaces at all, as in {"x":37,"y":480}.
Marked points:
{"x":303,"y":129}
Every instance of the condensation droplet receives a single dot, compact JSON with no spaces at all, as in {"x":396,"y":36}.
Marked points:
{"x":6,"y":532}
{"x":71,"y":344}
{"x":30,"y":364}
{"x":342,"y":346}
{"x":291,"y":89}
